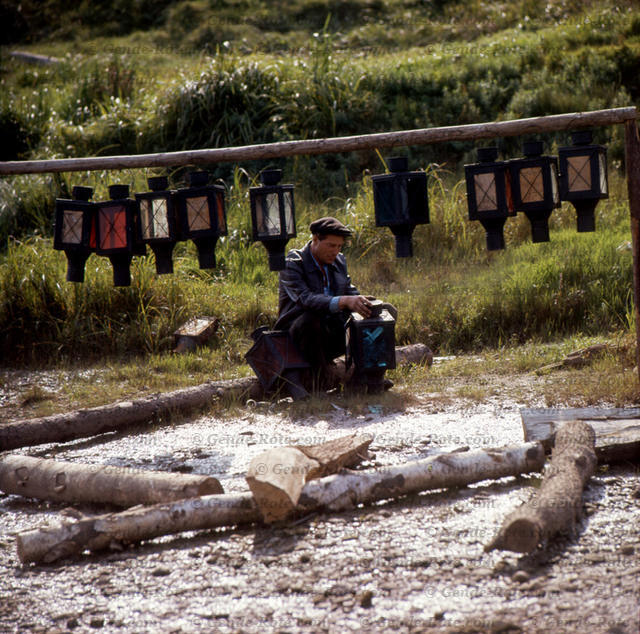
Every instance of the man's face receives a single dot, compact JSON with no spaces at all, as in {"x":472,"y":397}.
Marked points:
{"x":325,"y":250}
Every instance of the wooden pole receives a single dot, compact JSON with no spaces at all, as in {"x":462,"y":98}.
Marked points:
{"x":425,"y":136}
{"x":632,"y":164}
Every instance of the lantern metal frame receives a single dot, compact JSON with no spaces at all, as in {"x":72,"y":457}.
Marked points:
{"x":535,"y":188}
{"x":160,"y":200}
{"x":273,"y":217}
{"x":202,"y":216}
{"x":401,"y":202}
{"x":75,"y":219}
{"x":489,"y":197}
{"x":583,"y":177}
{"x":370,"y":346}
{"x":121,"y":227}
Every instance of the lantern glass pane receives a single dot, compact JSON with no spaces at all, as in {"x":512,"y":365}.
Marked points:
{"x":288,"y":213}
{"x":222,"y":223}
{"x":385,"y":210}
{"x":154,"y":217}
{"x":72,"y":226}
{"x":486,"y":191}
{"x":555,"y":190}
{"x":112,"y":221}
{"x":579,"y":173}
{"x":602,"y":164}
{"x":198,"y":213}
{"x":373,"y":347}
{"x":403,"y":195}
{"x":268,"y":215}
{"x":531,"y":185}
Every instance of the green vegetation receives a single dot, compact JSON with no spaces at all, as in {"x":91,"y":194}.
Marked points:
{"x":144,"y":77}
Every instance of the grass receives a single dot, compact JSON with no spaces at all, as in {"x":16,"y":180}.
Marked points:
{"x":199,"y":74}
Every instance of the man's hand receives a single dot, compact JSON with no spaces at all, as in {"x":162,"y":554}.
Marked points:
{"x":355,"y":303}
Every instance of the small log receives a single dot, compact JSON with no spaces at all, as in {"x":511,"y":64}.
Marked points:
{"x":557,"y":505}
{"x":335,"y":492}
{"x":577,"y":358}
{"x":34,"y":58}
{"x":84,"y":423}
{"x":276,"y":477}
{"x":79,"y":483}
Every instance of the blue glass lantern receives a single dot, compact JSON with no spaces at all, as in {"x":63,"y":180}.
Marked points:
{"x":400,"y":202}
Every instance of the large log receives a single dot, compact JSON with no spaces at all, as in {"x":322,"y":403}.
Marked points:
{"x":335,"y":492}
{"x":466,"y":132}
{"x":617,"y":429}
{"x":557,"y":505}
{"x":84,"y":423}
{"x":79,"y":483}
{"x":276,"y":477}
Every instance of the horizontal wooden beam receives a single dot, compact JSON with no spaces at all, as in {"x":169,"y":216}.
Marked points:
{"x":470,"y":132}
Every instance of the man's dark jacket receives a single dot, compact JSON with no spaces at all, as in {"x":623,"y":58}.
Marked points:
{"x":301,"y":287}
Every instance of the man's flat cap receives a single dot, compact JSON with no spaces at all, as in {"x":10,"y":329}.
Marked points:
{"x":329,"y":226}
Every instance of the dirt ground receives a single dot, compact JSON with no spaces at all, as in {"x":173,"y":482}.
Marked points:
{"x":416,"y":564}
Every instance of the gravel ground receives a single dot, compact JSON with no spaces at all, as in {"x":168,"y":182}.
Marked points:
{"x":416,"y":564}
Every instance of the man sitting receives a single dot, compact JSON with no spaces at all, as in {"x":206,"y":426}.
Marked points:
{"x":316,"y":297}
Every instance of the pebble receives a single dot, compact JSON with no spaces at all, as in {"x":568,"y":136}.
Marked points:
{"x":366,"y":599}
{"x":161,"y":571}
{"x":521,"y":576}
{"x":627,"y":549}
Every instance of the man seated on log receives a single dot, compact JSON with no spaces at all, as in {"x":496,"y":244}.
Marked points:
{"x":316,"y":297}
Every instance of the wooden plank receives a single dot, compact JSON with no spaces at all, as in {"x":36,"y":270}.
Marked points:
{"x":424,"y":136}
{"x":617,"y":429}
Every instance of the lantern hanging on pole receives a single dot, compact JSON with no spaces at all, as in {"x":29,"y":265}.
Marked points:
{"x":489,"y":198}
{"x":115,"y":222}
{"x":273,"y":216}
{"x":401,"y":202}
{"x":583,"y":177}
{"x":202,"y":216}
{"x":74,"y":231}
{"x":534,"y":184}
{"x":156,"y":225}
{"x":370,"y":346}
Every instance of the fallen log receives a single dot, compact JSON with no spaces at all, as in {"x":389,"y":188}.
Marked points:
{"x":335,"y":492}
{"x":79,"y":483}
{"x":557,"y":505}
{"x":84,"y":423}
{"x":276,"y":477}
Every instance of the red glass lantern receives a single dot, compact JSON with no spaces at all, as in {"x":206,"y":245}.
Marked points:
{"x":115,"y":222}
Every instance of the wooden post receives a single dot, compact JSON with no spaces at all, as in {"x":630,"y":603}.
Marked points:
{"x":632,"y":164}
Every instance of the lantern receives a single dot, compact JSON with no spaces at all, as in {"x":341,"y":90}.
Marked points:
{"x":156,"y":224}
{"x":583,"y":177}
{"x":489,"y":197}
{"x":534,"y":184}
{"x":273,"y":216}
{"x":202,"y":216}
{"x":370,"y":344}
{"x":400,"y":202}
{"x":74,"y":231}
{"x":115,"y":222}
{"x":274,"y":357}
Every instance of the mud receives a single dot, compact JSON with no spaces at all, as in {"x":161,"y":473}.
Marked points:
{"x":416,"y":564}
